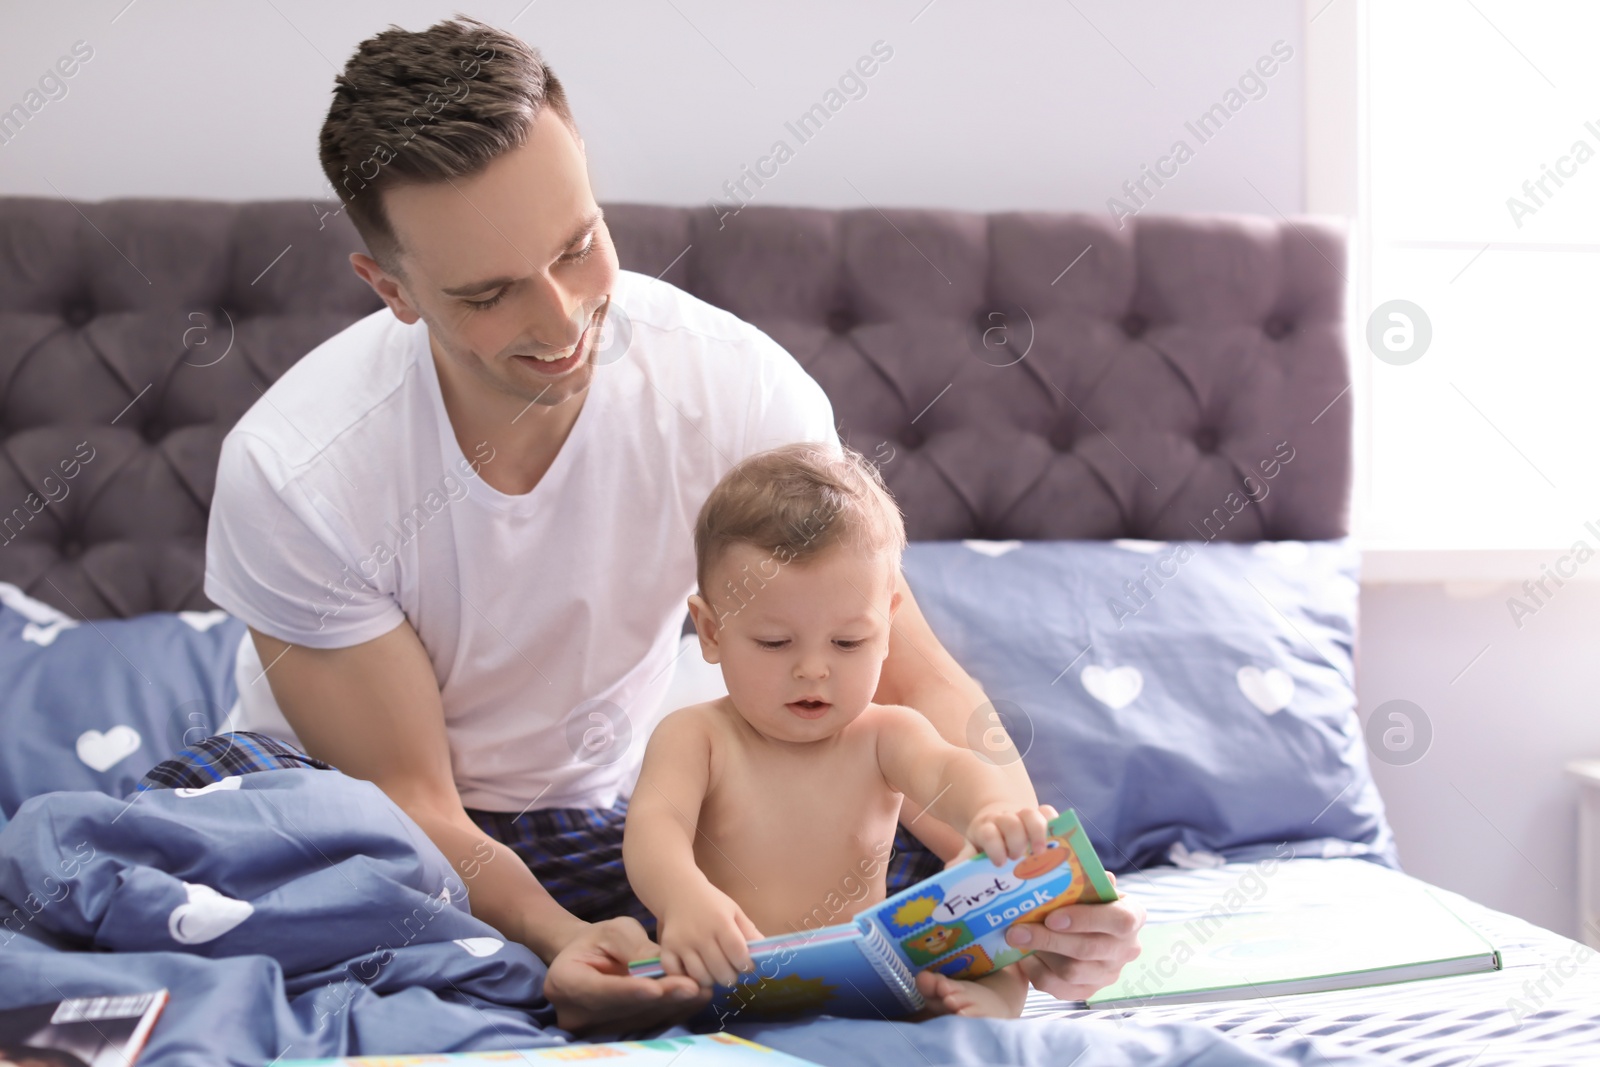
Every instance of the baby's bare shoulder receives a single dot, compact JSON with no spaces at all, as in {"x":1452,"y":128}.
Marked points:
{"x":895,"y":717}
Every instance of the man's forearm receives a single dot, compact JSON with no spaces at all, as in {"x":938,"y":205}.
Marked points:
{"x":502,"y":890}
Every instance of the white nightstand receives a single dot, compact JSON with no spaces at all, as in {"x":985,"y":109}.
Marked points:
{"x":1587,"y":772}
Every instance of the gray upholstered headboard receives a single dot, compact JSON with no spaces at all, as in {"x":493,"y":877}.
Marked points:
{"x":1015,"y":375}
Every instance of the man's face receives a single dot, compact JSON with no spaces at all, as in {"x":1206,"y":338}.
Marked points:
{"x":801,"y":649}
{"x":506,"y":266}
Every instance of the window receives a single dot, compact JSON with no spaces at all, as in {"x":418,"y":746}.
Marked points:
{"x":1479,"y":204}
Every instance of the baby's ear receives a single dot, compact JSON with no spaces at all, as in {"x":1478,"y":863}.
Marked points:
{"x":705,"y":626}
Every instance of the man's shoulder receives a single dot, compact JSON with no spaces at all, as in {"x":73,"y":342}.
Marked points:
{"x":350,"y":380}
{"x":671,"y":315}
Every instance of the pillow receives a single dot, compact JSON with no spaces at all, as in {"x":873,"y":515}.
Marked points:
{"x":93,"y":705}
{"x":1193,"y":701}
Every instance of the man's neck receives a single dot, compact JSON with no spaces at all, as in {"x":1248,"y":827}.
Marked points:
{"x":525,"y":437}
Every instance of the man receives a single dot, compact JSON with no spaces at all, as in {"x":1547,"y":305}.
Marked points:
{"x":460,"y":530}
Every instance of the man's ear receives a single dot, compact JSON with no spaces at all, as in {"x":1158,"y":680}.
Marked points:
{"x":385,"y":285}
{"x":705,"y":625}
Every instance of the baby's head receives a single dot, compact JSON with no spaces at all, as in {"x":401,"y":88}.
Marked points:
{"x":797,"y":556}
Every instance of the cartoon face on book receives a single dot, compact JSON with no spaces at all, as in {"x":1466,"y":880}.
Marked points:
{"x":960,"y":931}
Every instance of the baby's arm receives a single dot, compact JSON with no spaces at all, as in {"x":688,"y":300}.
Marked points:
{"x":967,"y":792}
{"x":702,"y":932}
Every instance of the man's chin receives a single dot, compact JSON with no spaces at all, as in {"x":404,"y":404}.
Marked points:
{"x":539,"y":386}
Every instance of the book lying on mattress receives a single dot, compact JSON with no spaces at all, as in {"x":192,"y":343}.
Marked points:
{"x":700,"y":1050}
{"x":953,"y":922}
{"x":1405,"y":934}
{"x":93,"y":1031}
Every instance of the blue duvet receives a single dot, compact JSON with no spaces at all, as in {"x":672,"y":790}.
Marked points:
{"x":298,"y":914}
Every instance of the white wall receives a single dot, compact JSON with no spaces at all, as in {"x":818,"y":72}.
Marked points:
{"x":1487,"y":811}
{"x":1022,"y":105}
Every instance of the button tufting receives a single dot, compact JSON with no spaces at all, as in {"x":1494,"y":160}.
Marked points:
{"x":912,"y":437}
{"x":153,"y":431}
{"x":71,"y":549}
{"x":1205,"y":439}
{"x":1061,"y":439}
{"x":1277,"y":328}
{"x":841,"y":320}
{"x":77,"y":315}
{"x":1134,"y":324}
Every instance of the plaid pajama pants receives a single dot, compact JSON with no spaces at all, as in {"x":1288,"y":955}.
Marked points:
{"x":576,"y":853}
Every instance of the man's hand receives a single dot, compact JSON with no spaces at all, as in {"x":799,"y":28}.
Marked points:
{"x":1003,"y":832}
{"x":704,"y":935}
{"x":1080,"y":948}
{"x":589,"y":986}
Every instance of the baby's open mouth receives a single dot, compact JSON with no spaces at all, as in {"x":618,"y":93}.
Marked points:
{"x":810,"y":708}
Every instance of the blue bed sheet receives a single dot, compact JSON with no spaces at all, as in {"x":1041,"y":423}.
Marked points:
{"x":296,"y":914}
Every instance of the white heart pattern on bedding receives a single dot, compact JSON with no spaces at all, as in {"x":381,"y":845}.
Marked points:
{"x":231,"y":782}
{"x":1115,"y":687}
{"x":206,"y":915}
{"x":44,"y":634}
{"x":1269,"y":690}
{"x":993,"y":549}
{"x":102,"y":751}
{"x":481,"y":946}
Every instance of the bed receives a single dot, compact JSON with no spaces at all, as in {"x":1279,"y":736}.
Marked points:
{"x":1123,"y":453}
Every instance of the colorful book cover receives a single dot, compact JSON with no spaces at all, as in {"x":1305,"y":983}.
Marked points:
{"x":953,"y":922}
{"x":700,"y":1050}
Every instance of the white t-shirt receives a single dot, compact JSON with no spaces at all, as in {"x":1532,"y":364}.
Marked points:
{"x":344,"y":505}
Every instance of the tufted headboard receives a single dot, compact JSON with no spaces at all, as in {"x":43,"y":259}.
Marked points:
{"x":1014,"y":375}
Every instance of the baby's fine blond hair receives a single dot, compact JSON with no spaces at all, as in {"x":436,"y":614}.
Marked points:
{"x":796,"y":501}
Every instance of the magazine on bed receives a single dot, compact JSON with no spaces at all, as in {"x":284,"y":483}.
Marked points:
{"x":91,"y":1031}
{"x":1403,"y":935}
{"x":699,"y":1050}
{"x":954,"y":922}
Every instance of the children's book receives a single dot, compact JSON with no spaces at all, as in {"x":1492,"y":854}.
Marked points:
{"x":953,"y":922}
{"x":88,"y":1031}
{"x":1405,"y":934}
{"x":700,"y":1050}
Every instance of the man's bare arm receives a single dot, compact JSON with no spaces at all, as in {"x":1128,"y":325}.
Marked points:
{"x":919,"y":673}
{"x":373,"y":710}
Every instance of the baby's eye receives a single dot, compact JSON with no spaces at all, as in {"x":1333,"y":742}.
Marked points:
{"x":771,"y":645}
{"x":849,"y":646}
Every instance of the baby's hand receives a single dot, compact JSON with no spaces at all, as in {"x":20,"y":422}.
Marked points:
{"x":1003,"y":833}
{"x":704,"y":935}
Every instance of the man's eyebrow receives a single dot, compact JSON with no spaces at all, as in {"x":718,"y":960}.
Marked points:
{"x":589,"y":223}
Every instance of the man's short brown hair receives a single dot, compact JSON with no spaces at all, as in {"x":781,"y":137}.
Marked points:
{"x":420,"y":108}
{"x":796,"y":501}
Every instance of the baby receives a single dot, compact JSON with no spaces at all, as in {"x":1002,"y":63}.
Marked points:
{"x":752,"y":809}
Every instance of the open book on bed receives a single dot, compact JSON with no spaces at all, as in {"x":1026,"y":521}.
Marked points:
{"x":1404,"y":934}
{"x":954,"y":922}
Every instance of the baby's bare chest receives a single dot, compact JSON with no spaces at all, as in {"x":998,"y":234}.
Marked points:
{"x":778,"y":832}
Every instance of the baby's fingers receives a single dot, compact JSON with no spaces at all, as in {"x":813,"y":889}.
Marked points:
{"x":1037,"y":828}
{"x":696,"y":968}
{"x":1016,"y":835}
{"x":716,"y":958}
{"x":737,"y":952}
{"x":987,"y":837}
